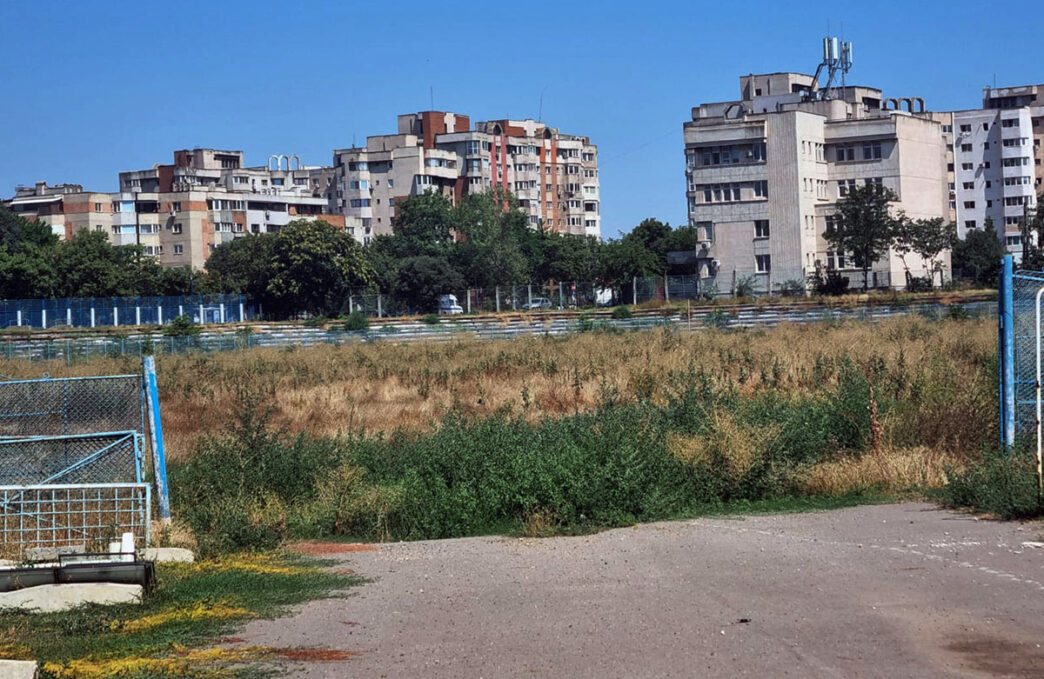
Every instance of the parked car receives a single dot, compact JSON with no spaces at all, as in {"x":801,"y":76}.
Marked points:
{"x":537,"y":303}
{"x":448,"y":305}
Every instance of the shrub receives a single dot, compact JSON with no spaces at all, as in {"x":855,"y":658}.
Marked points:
{"x":919,"y":284}
{"x":957,"y":312}
{"x":356,"y":321}
{"x":745,"y":286}
{"x":1004,"y":485}
{"x":431,"y":319}
{"x":316,"y":321}
{"x":182,"y":326}
{"x":832,"y":283}
{"x":622,"y":312}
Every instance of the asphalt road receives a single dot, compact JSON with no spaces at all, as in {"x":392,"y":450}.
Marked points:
{"x":878,"y":591}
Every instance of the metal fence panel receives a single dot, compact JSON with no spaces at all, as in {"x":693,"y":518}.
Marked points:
{"x":110,"y":457}
{"x":80,"y":405}
{"x":81,"y":515}
{"x":94,"y":312}
{"x":1025,"y":286}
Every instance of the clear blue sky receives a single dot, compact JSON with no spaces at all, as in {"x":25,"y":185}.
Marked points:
{"x":95,"y":88}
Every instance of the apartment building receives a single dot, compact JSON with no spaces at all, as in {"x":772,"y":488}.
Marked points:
{"x":180,"y":212}
{"x":67,"y":208}
{"x":764,"y":174}
{"x":554,"y":175}
{"x":996,"y":171}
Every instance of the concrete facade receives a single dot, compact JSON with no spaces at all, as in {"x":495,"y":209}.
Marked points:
{"x":554,"y":175}
{"x":180,"y":212}
{"x":764,"y":174}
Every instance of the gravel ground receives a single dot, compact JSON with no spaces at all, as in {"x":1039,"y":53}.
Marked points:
{"x":878,"y":591}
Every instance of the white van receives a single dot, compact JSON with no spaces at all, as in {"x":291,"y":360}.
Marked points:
{"x":448,"y":305}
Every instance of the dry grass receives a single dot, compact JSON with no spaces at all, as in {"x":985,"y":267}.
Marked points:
{"x":334,"y":389}
{"x":887,"y":470}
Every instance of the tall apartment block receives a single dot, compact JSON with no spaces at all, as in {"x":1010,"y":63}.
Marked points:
{"x":765,"y":172}
{"x":180,"y":212}
{"x":996,"y":168}
{"x":554,"y":175}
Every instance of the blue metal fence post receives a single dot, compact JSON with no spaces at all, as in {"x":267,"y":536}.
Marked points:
{"x":159,"y":458}
{"x":1006,"y":352}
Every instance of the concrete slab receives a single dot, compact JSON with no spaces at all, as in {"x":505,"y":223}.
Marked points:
{"x":18,"y":669}
{"x":36,"y":554}
{"x":55,"y":598}
{"x":168,"y":555}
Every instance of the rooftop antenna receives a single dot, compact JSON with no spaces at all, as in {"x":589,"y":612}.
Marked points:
{"x":837,"y":59}
{"x":540,"y":113}
{"x":431,"y":91}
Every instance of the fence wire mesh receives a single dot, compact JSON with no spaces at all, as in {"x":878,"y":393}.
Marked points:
{"x":87,"y":517}
{"x":71,"y":406}
{"x":111,"y":457}
{"x":1025,"y":285}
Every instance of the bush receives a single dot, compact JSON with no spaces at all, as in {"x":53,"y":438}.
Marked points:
{"x":795,"y":287}
{"x":622,"y":312}
{"x":832,"y":283}
{"x":431,"y":319}
{"x":1005,"y":485}
{"x":919,"y":284}
{"x":182,"y":326}
{"x":356,"y":321}
{"x":957,"y":312}
{"x":745,"y":286}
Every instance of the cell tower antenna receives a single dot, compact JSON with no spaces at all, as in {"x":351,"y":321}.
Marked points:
{"x":837,"y":60}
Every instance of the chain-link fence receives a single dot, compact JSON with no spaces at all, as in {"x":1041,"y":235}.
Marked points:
{"x":1026,"y":293}
{"x":79,"y":405}
{"x":110,"y":457}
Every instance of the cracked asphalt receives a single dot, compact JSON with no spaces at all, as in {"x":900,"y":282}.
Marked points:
{"x":903,"y":590}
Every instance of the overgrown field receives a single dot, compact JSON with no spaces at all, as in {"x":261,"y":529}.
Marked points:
{"x":548,"y":435}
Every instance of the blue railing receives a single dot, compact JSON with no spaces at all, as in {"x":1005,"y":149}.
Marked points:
{"x":96,"y":312}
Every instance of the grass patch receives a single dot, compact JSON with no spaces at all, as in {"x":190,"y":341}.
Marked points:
{"x":1002,"y":485}
{"x":170,"y":634}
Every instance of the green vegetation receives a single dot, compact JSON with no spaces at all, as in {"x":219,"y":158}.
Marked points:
{"x":182,"y":326}
{"x":170,"y":633}
{"x":693,"y":442}
{"x":1003,"y":485}
{"x":356,"y":321}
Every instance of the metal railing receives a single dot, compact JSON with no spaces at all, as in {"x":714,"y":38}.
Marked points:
{"x":76,"y":405}
{"x":94,"y":312}
{"x":85,"y":516}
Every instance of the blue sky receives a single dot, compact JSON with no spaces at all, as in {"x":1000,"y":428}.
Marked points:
{"x":95,"y":88}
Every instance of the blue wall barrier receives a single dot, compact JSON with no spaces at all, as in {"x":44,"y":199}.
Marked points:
{"x":96,"y":312}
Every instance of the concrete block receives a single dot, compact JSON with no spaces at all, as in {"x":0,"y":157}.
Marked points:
{"x":168,"y":555}
{"x":18,"y":669}
{"x":38,"y":554}
{"x":54,"y":598}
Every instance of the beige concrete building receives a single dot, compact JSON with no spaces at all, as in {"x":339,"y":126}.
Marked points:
{"x":764,"y":174}
{"x":554,"y":175}
{"x":180,"y":212}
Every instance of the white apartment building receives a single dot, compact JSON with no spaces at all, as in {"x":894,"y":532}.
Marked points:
{"x":764,"y":174}
{"x":554,"y":175}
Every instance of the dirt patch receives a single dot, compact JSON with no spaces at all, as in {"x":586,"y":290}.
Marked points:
{"x":998,"y":657}
{"x":312,"y":654}
{"x":313,"y":548}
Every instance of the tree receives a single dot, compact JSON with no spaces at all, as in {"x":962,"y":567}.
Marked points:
{"x":314,"y":265}
{"x":491,"y":225}
{"x":27,"y":257}
{"x":423,"y":225}
{"x":421,"y":280}
{"x":88,"y":266}
{"x":927,"y":238}
{"x":573,"y":258}
{"x":978,"y":256}
{"x":242,"y":266}
{"x":863,"y":226}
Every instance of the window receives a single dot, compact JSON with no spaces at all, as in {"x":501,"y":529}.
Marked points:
{"x":179,"y":249}
{"x":969,"y":205}
{"x":360,"y":202}
{"x":876,"y":182}
{"x":1013,"y":240}
{"x":391,"y":202}
{"x":967,"y":166}
{"x":985,"y":126}
{"x":255,"y":228}
{"x":176,"y":206}
{"x":845,"y":152}
{"x":176,"y":228}
{"x":835,"y":260}
{"x":1009,"y":122}
{"x":97,"y":207}
{"x":357,"y":166}
{"x":760,"y":189}
{"x":1017,"y":141}
{"x":968,"y":186}
{"x":949,"y":167}
{"x":966,"y":148}
{"x":986,"y":146}
{"x":965,"y":128}
{"x":872,"y":150}
{"x":761,"y":228}
{"x":471,"y":147}
{"x":969,"y":224}
{"x":763,"y":263}
{"x":844,"y":186}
